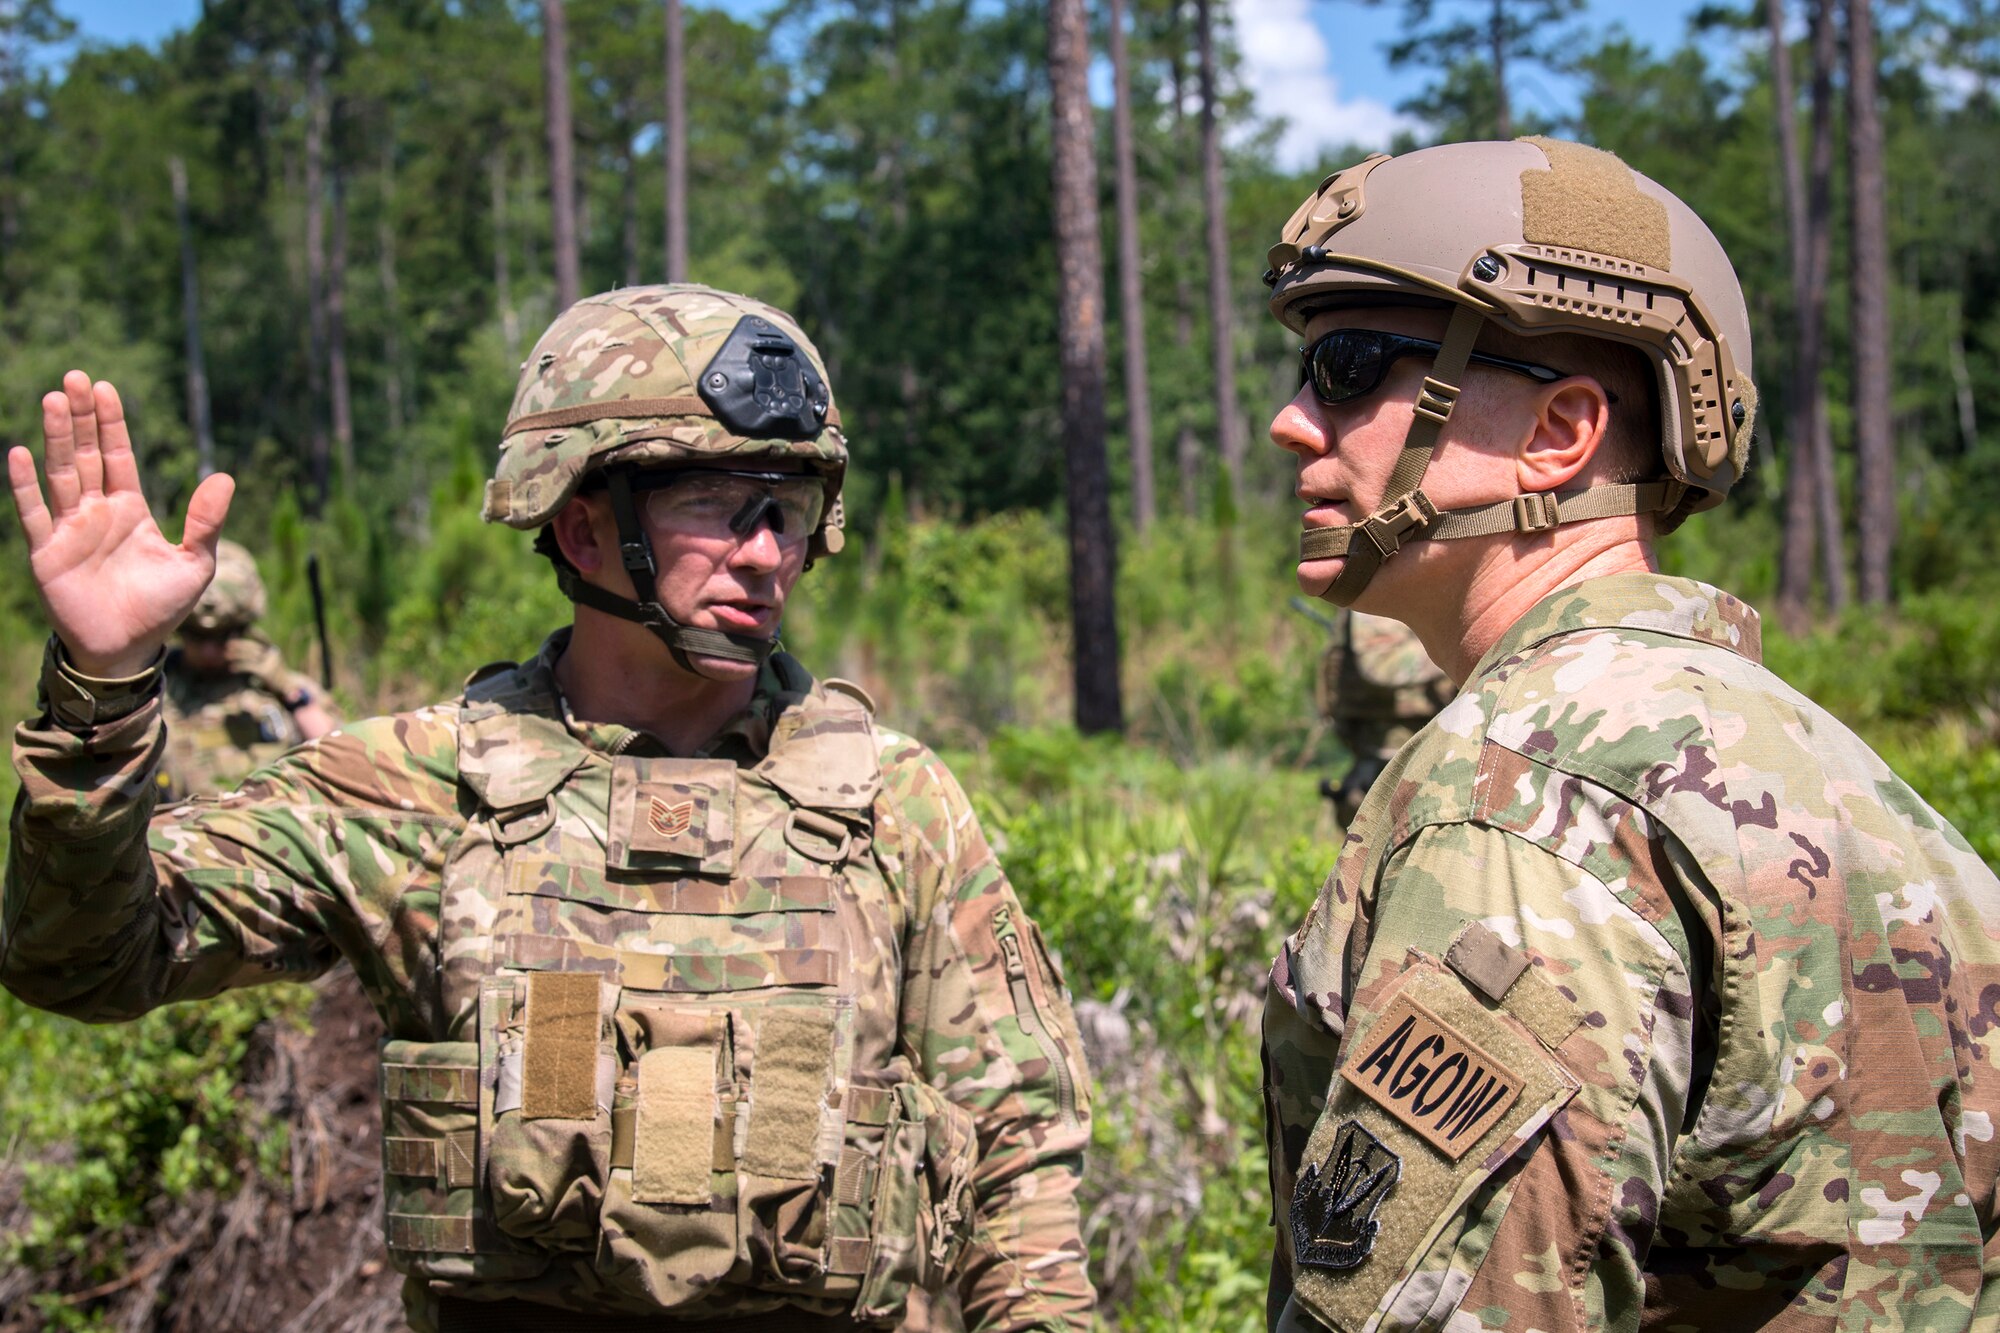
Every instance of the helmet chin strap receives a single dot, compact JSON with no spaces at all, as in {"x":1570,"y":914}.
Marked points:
{"x":685,"y":642}
{"x":1407,"y":514}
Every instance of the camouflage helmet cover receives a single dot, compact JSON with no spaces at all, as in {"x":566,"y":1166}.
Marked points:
{"x":617,"y":379}
{"x":234,"y":598}
{"x":1544,"y":236}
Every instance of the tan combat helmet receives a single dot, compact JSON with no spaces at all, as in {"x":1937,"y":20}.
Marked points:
{"x":1539,"y":236}
{"x":652,"y":376}
{"x":234,"y":598}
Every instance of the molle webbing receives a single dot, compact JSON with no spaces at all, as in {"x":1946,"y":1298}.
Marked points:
{"x":683,"y":973}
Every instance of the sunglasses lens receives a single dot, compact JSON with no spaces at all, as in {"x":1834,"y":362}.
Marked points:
{"x":710,"y":505}
{"x":1345,"y":364}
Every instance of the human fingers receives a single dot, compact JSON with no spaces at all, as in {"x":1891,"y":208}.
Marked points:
{"x":114,"y":440}
{"x":59,"y":454}
{"x":83,"y":416}
{"x":35,"y":520}
{"x":207,"y":508}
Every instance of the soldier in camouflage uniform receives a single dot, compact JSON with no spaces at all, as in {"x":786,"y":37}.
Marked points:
{"x":708,"y":1006}
{"x":1376,"y":687}
{"x":230,"y":703}
{"x":1642,"y":995}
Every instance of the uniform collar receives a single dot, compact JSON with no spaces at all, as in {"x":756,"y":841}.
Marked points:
{"x":1656,"y":603}
{"x":744,"y":738}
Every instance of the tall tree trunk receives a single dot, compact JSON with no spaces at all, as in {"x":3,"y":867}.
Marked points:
{"x":1961,"y":382}
{"x":1093,"y":560}
{"x":317,"y":444}
{"x":1875,"y":445}
{"x":628,"y":200}
{"x":1795,"y":566}
{"x":503,"y":284}
{"x":340,"y":389}
{"x":197,"y":367}
{"x":1132,"y":307}
{"x":392,"y":303}
{"x":562,"y":153}
{"x":1187,"y":441}
{"x":1496,"y":36}
{"x":1222,"y":334}
{"x":1819,"y":248}
{"x":676,"y":144}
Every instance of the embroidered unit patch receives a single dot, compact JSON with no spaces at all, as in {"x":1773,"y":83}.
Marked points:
{"x":670,"y":821}
{"x":1433,"y":1079}
{"x":1333,"y":1211}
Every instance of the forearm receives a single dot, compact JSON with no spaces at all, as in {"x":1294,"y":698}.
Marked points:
{"x":1024,"y":1268}
{"x":80,"y":929}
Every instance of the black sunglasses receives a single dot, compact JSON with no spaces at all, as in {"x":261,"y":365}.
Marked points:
{"x":1348,"y":363}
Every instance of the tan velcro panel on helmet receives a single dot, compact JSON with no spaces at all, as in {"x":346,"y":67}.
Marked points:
{"x":1589,"y":200}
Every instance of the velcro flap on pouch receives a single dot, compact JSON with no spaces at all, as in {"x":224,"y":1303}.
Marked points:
{"x":674,"y":1142}
{"x":559,"y":1056}
{"x":788,"y":1092}
{"x":680,"y":808}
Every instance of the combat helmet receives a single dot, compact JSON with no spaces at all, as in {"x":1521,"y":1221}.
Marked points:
{"x":649,"y":376}
{"x":234,"y":598}
{"x":1539,"y":236}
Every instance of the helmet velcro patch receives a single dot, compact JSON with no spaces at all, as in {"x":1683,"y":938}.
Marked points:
{"x":1589,"y":200}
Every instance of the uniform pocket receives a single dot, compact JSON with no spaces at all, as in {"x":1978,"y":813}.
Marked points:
{"x":669,"y":1222}
{"x":920,"y":1213}
{"x":546,"y":1040}
{"x":434,"y":1218}
{"x":1437,"y":1104}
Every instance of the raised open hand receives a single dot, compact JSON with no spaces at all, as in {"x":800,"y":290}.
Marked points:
{"x":114,"y":587}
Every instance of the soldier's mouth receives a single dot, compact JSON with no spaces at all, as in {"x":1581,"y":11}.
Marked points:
{"x":1323,"y":511}
{"x":743,"y":615}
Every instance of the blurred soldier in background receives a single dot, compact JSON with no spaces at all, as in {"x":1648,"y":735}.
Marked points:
{"x":230,"y":703}
{"x":1643,"y":995}
{"x":709,"y":1008}
{"x":1376,"y":688}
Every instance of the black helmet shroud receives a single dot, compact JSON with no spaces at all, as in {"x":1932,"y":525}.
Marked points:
{"x":759,"y":385}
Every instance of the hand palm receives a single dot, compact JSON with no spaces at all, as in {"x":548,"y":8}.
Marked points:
{"x":114,"y":586}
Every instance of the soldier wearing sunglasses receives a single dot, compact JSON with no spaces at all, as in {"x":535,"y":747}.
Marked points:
{"x":1642,"y":994}
{"x":708,"y":1005}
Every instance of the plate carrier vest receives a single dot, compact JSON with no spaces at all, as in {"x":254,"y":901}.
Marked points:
{"x":674,"y":1082}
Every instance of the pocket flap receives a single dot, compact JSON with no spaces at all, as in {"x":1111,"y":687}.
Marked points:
{"x":673,"y":809}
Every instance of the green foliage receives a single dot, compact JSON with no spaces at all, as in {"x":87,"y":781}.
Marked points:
{"x":109,"y":1125}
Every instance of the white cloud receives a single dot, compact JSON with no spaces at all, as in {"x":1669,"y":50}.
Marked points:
{"x":1288,"y":70}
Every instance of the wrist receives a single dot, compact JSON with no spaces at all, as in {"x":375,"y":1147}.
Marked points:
{"x":79,"y":700}
{"x":129,"y":666}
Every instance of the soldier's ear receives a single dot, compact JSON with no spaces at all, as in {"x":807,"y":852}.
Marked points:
{"x":584,"y":535}
{"x":1567,"y":425}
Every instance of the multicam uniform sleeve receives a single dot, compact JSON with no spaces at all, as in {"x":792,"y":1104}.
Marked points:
{"x":112,"y":908}
{"x":987,"y":1020}
{"x":1477,"y":1075}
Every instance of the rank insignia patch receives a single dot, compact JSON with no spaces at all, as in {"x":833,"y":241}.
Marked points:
{"x":670,"y":821}
{"x":1333,"y":1210}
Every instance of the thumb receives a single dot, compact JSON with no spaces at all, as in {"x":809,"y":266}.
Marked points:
{"x":207,"y":507}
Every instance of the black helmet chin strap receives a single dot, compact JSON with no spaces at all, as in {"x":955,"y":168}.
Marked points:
{"x":1408,"y":515}
{"x":685,"y":642}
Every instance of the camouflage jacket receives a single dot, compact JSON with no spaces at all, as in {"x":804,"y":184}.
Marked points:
{"x":340,"y":850}
{"x":1377,"y":685}
{"x":222,"y":728}
{"x":1642,"y":995}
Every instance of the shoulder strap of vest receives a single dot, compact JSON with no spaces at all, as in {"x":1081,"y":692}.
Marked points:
{"x":513,"y":749}
{"x":824,"y":753}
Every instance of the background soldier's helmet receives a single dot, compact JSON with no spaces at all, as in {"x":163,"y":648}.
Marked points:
{"x":652,"y":376}
{"x":234,"y":599}
{"x":1539,"y":236}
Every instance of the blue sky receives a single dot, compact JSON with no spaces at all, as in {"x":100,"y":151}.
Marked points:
{"x":1319,"y":62}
